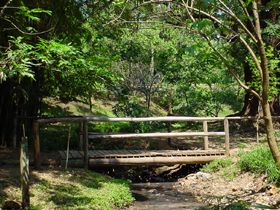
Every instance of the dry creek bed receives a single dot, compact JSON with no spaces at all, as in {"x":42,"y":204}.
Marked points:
{"x":212,"y":189}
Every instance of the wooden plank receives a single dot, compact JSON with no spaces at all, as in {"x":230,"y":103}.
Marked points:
{"x":153,"y":160}
{"x":147,"y":119}
{"x":155,"y":153}
{"x":153,"y":135}
{"x":61,"y":119}
{"x":140,"y":119}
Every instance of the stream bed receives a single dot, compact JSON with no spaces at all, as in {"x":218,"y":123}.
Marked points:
{"x":154,"y":191}
{"x":161,"y":196}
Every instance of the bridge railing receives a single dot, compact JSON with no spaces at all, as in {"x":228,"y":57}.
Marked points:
{"x":86,"y":135}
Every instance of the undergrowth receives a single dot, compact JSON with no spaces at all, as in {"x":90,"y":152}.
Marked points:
{"x":81,"y":190}
{"x":258,"y":161}
{"x":75,"y":189}
{"x":217,"y":165}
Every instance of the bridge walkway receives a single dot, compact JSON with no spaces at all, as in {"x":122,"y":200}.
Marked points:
{"x":141,"y":157}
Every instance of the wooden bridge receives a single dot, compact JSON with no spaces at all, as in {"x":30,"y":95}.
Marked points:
{"x":90,"y":158}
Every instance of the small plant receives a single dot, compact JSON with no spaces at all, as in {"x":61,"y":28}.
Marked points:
{"x":216,"y":165}
{"x":230,"y":172}
{"x":260,"y":161}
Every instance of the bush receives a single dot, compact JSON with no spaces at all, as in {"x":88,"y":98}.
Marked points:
{"x":260,"y":161}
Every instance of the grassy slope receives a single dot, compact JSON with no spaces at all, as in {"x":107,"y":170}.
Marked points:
{"x":54,"y":107}
{"x":54,"y":137}
{"x":73,"y":189}
{"x":258,"y":161}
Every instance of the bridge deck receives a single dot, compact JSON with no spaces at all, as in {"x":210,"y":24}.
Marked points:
{"x":142,"y":157}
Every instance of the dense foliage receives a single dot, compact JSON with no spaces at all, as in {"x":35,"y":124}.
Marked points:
{"x":134,"y":53}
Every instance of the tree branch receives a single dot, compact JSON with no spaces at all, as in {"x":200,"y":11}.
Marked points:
{"x":231,"y":13}
{"x":243,"y":41}
{"x":244,"y":86}
{"x":24,"y":32}
{"x":246,"y":13}
{"x":4,"y":7}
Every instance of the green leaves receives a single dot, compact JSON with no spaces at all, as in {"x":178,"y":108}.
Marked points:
{"x":32,"y":14}
{"x":17,"y":60}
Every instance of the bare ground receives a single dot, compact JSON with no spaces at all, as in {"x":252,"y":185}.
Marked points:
{"x":214,"y":189}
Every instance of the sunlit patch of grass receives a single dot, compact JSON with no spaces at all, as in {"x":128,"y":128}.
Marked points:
{"x":227,"y":168}
{"x":217,"y":165}
{"x":260,"y":161}
{"x":78,"y":189}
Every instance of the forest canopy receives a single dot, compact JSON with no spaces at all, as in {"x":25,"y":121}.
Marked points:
{"x":193,"y":58}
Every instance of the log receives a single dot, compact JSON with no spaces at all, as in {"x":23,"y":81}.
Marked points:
{"x":147,"y":119}
{"x":153,"y":160}
{"x":60,"y":119}
{"x":153,"y":135}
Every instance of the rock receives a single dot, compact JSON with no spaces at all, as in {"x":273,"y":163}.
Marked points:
{"x":273,"y":190}
{"x":234,"y":189}
{"x":203,"y":175}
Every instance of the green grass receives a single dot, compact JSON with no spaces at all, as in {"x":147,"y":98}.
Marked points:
{"x":74,"y":189}
{"x":217,"y":165}
{"x":226,"y":167}
{"x":260,"y":161}
{"x":79,"y":189}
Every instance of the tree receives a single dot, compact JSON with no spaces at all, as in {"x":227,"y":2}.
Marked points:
{"x":231,"y":22}
{"x":46,"y":46}
{"x":252,"y":40}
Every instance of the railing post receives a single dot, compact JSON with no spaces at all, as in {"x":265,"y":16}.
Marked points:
{"x":226,"y":128}
{"x":205,"y":129}
{"x":36,"y":144}
{"x":80,"y":136}
{"x":85,"y":143}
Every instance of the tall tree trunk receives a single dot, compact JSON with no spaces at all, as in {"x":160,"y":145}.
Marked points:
{"x":265,"y":86}
{"x":270,"y":133}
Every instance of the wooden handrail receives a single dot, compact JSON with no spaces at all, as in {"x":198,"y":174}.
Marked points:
{"x":87,"y":135}
{"x":150,"y":119}
{"x":152,"y":135}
